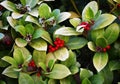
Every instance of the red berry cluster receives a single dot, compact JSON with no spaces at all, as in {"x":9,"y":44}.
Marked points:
{"x":58,"y":43}
{"x":100,"y":49}
{"x":106,"y":48}
{"x":32,"y":63}
{"x":85,"y":25}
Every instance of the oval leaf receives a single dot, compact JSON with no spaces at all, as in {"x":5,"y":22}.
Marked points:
{"x":76,"y":43}
{"x":90,"y":9}
{"x":9,"y":5}
{"x":21,"y":29}
{"x":101,"y":42}
{"x":39,"y":44}
{"x":20,"y":42}
{"x":59,"y":71}
{"x":86,"y":81}
{"x":100,"y":60}
{"x":61,"y":54}
{"x":44,"y":11}
{"x":91,"y":46}
{"x":63,"y":16}
{"x":16,"y":15}
{"x":9,"y":71}
{"x":31,"y":3}
{"x":12,"y":21}
{"x":75,"y":22}
{"x":103,"y":21}
{"x":114,"y":65}
{"x":111,"y":33}
{"x":25,"y":79}
{"x":66,"y":31}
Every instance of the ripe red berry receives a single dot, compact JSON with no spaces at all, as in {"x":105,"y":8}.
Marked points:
{"x":104,"y":49}
{"x":38,"y":74}
{"x":108,"y":47}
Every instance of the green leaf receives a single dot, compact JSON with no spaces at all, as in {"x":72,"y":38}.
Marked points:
{"x":2,"y":82}
{"x":16,"y":15}
{"x":103,"y":21}
{"x":66,"y":31}
{"x":31,"y":3}
{"x":111,"y":33}
{"x":39,"y":56}
{"x":114,"y":65}
{"x":20,"y":42}
{"x":101,"y":41}
{"x":59,"y":71}
{"x":61,"y":54}
{"x":9,"y":5}
{"x":63,"y":16}
{"x":65,"y":81}
{"x":85,"y":73}
{"x":75,"y":21}
{"x":74,"y":69}
{"x":21,"y":29}
{"x":71,"y":60}
{"x":39,"y":44}
{"x":29,"y":29}
{"x":12,"y":21}
{"x":42,"y":65}
{"x":76,"y":43}
{"x":86,"y":81}
{"x":44,"y":11}
{"x":90,"y":8}
{"x":97,"y":33}
{"x":1,"y":36}
{"x":10,"y":60}
{"x":18,"y":56}
{"x":23,"y":2}
{"x":91,"y":46}
{"x":38,"y":33}
{"x":97,"y":79}
{"x":34,"y":12}
{"x":52,"y":81}
{"x":33,"y":20}
{"x":100,"y":60}
{"x":25,"y":78}
{"x":51,"y":64}
{"x":9,"y":71}
{"x":107,"y":75}
{"x":117,"y":1}
{"x":56,"y":12}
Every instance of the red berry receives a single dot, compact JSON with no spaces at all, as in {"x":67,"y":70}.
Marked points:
{"x":108,"y":47}
{"x":104,"y":49}
{"x":38,"y":74}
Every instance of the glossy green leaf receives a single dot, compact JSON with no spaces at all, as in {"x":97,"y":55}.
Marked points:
{"x":90,"y":8}
{"x":18,"y":56}
{"x":91,"y":46}
{"x":31,"y":3}
{"x":85,"y":73}
{"x":12,"y":21}
{"x":114,"y":65}
{"x":63,"y":16}
{"x":1,"y":36}
{"x":101,"y":41}
{"x":52,"y":81}
{"x":66,"y":31}
{"x":59,"y":71}
{"x":29,"y":29}
{"x":9,"y":71}
{"x":38,"y":33}
{"x":56,"y":12}
{"x":16,"y":15}
{"x":51,"y":64}
{"x":25,"y":78}
{"x":103,"y":21}
{"x":10,"y":60}
{"x":86,"y":81}
{"x":97,"y":79}
{"x":21,"y":29}
{"x":34,"y":12}
{"x":97,"y":33}
{"x":111,"y":33}
{"x":76,"y":43}
{"x":23,"y":2}
{"x":117,"y":1}
{"x":9,"y":5}
{"x":33,"y":20}
{"x":71,"y":60}
{"x":74,"y":69}
{"x":39,"y":44}
{"x":44,"y":11}
{"x":20,"y":42}
{"x":75,"y":21}
{"x":100,"y":60}
{"x":61,"y":54}
{"x":42,"y":65}
{"x":39,"y":56}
